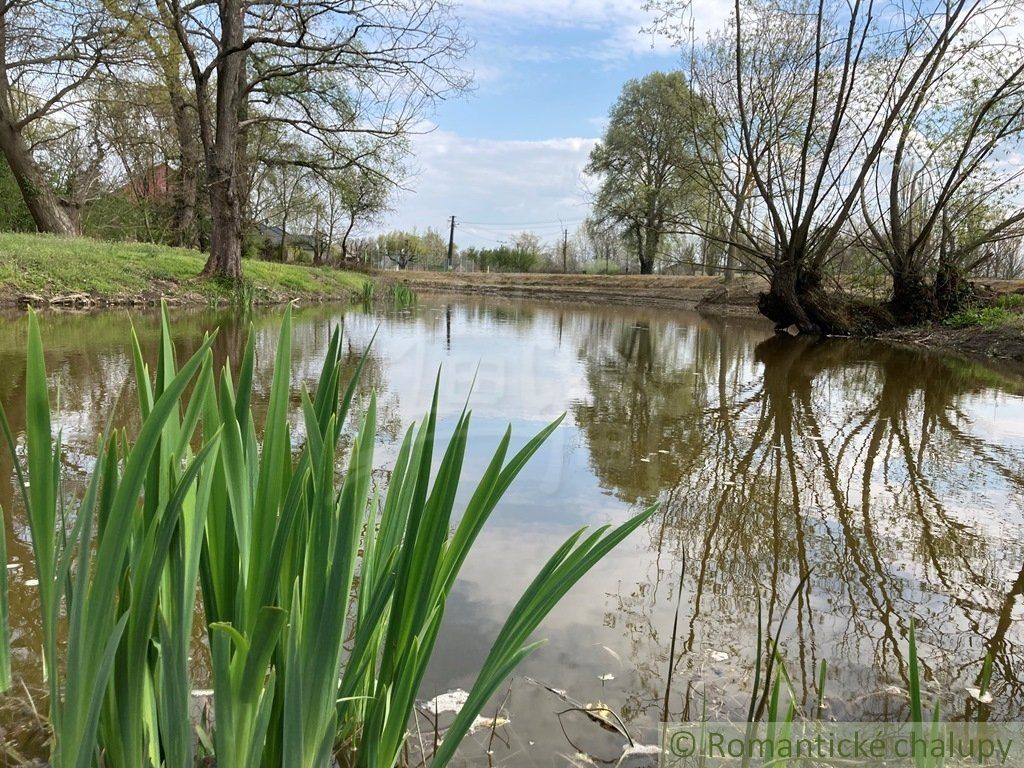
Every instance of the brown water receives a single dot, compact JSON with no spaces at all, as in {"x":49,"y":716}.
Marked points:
{"x":895,"y":477}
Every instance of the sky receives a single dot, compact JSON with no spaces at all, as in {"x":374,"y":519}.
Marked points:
{"x":509,"y":156}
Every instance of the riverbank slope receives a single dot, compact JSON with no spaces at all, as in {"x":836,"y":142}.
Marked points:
{"x":712,"y":295}
{"x":684,"y":292}
{"x":47,"y":270}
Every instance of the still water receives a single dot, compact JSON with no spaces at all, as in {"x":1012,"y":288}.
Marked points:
{"x":893,"y":477}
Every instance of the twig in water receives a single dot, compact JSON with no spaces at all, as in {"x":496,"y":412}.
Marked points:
{"x":672,"y":646}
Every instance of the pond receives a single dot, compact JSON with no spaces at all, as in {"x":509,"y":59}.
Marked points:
{"x":891,"y":478}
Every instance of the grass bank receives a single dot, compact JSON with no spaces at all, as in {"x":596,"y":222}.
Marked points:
{"x":993,"y":328}
{"x":42,"y":269}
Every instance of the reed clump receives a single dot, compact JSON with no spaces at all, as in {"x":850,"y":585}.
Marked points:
{"x":320,"y":595}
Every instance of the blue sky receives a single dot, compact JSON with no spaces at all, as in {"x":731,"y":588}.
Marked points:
{"x":509,"y":155}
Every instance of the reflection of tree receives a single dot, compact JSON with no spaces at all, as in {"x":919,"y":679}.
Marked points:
{"x":645,"y":388}
{"x":854,"y":461}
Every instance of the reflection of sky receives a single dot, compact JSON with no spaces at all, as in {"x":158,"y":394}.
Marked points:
{"x":518,"y":375}
{"x":950,"y":565}
{"x":999,"y":417}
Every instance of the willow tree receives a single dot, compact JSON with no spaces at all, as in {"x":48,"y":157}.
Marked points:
{"x":327,"y":71}
{"x":819,"y":90}
{"x":948,"y":192}
{"x":646,"y":163}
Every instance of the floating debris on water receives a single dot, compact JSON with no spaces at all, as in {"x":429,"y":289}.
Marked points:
{"x":977,"y":695}
{"x":719,"y":656}
{"x":31,"y":582}
{"x":611,"y":653}
{"x":488,"y":723}
{"x":606,"y":678}
{"x":452,"y":701}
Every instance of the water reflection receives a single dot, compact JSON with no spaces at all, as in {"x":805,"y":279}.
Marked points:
{"x":895,"y":477}
{"x":868,"y":466}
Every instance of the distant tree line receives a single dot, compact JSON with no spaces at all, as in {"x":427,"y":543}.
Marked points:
{"x":828,"y":145}
{"x":192,"y":122}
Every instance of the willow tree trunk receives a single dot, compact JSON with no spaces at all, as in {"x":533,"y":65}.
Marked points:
{"x":225,"y":260}
{"x":783,"y":304}
{"x":48,"y":211}
{"x":912,"y":300}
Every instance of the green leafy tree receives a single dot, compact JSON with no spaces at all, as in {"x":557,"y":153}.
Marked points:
{"x":330,"y":71}
{"x":646,"y":162}
{"x":522,"y":256}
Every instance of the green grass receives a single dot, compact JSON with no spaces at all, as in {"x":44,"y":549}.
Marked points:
{"x":1011,"y":301}
{"x":48,"y":265}
{"x":982,"y":317}
{"x":322,"y":593}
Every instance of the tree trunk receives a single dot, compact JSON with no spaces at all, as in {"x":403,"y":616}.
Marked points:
{"x":225,"y":148}
{"x":344,"y":239}
{"x":225,"y":261}
{"x":281,"y":255}
{"x":647,"y":251}
{"x":318,"y":242}
{"x":913,"y":300}
{"x":782,"y":304}
{"x":330,"y":233}
{"x":49,"y":212}
{"x":186,"y":185}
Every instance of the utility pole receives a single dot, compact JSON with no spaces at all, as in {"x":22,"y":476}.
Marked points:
{"x":451,"y":243}
{"x":565,"y":251}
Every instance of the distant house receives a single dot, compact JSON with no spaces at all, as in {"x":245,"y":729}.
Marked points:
{"x":272,"y":236}
{"x":153,"y":185}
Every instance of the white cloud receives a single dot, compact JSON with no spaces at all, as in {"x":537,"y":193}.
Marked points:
{"x":485,"y":182}
{"x":625,"y":27}
{"x":628,"y":16}
{"x":575,"y":12}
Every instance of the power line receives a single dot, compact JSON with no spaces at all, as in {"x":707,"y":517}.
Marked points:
{"x":520,"y":224}
{"x":482,"y":236}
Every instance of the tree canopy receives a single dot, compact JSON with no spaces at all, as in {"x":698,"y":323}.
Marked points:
{"x":646,"y":163}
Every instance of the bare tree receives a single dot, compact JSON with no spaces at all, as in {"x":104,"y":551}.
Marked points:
{"x":49,"y":51}
{"x":329,"y":70}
